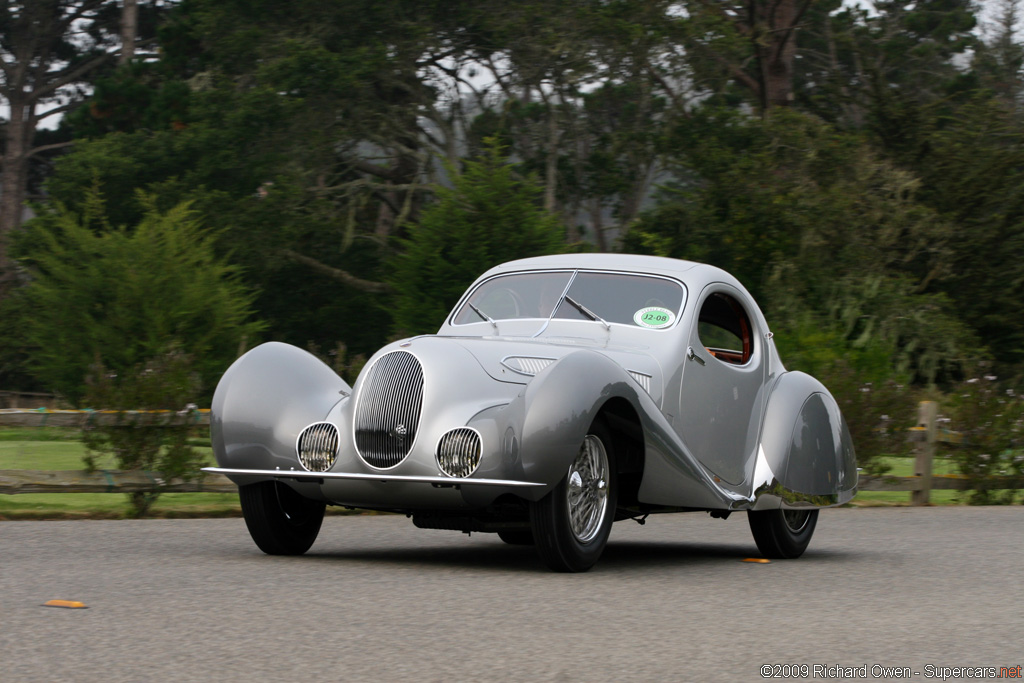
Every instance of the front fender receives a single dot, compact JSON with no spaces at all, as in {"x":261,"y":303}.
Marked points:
{"x":806,"y":455}
{"x":559,"y":406}
{"x":264,"y":400}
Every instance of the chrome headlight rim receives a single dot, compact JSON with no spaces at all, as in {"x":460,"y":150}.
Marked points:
{"x":323,"y":440}
{"x":476,"y":459}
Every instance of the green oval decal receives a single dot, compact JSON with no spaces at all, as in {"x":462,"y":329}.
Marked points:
{"x":654,"y":317}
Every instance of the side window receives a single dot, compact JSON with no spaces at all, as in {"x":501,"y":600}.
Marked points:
{"x":724,"y":329}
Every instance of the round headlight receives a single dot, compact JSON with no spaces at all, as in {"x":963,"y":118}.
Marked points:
{"x":317,"y":446}
{"x":458,"y":452}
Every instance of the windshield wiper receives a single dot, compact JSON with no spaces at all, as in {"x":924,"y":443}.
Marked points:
{"x":587,"y":312}
{"x":483,"y":315}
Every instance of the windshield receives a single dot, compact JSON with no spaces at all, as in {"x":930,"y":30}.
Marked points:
{"x":637,"y":300}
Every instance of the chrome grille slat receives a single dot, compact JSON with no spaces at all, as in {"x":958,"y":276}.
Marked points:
{"x":389,"y":403}
{"x":317,"y":446}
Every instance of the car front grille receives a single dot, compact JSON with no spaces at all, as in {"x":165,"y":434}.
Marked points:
{"x":388,"y":410}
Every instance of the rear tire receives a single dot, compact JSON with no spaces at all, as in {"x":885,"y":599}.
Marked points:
{"x":571,"y":524}
{"x":280,"y":521}
{"x":783,"y":534}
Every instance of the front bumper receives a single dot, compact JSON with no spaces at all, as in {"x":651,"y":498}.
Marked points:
{"x":383,"y":477}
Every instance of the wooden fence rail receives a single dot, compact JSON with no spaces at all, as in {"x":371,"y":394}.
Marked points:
{"x":925,"y":435}
{"x":106,"y":418}
{"x":106,"y":481}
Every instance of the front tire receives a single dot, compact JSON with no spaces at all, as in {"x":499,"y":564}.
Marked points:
{"x":782,"y":534}
{"x":571,"y":524}
{"x":280,"y":521}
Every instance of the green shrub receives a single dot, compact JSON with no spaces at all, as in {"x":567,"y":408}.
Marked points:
{"x":878,"y":404}
{"x":990,"y":418}
{"x":143,"y":442}
{"x":491,"y":215}
{"x":124,"y":296}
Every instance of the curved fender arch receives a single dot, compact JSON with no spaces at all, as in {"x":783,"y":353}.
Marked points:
{"x":545,"y":425}
{"x":560,"y":404}
{"x":263,"y":402}
{"x":806,"y":456}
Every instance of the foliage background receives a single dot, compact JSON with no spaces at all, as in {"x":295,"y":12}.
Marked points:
{"x":331,"y":174}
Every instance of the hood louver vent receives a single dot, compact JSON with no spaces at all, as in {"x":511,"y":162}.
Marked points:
{"x":526,"y":365}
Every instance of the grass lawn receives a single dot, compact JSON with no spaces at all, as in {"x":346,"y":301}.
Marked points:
{"x":58,"y":449}
{"x":904,"y":467}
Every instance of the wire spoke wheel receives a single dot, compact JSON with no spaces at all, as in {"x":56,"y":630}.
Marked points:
{"x":796,"y":520}
{"x":571,"y":524}
{"x":587,"y":492}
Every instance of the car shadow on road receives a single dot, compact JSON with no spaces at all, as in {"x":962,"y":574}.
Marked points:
{"x":498,"y":556}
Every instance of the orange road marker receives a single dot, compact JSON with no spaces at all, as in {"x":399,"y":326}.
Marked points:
{"x":68,"y":604}
{"x":759,"y":560}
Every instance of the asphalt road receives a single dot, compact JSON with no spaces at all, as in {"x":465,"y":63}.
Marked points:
{"x":379,"y":600}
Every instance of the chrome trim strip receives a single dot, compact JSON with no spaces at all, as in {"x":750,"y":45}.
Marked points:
{"x":572,"y":278}
{"x":383,"y":478}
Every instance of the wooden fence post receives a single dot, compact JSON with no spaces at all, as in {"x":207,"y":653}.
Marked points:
{"x":927,"y":412}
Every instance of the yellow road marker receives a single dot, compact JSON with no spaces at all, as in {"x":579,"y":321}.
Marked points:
{"x":759,"y":560}
{"x":69,"y":604}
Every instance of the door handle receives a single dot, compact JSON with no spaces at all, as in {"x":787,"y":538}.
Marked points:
{"x":692,"y":355}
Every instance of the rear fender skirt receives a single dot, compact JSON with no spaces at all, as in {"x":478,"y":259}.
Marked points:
{"x":806,"y":456}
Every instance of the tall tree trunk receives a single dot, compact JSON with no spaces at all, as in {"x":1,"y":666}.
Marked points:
{"x":597,"y":224}
{"x":13,"y":178}
{"x":129,"y":29}
{"x":775,"y":24}
{"x":33,"y":71}
{"x":551,"y":162}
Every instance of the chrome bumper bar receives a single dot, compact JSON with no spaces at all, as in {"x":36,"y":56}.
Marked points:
{"x":383,"y":478}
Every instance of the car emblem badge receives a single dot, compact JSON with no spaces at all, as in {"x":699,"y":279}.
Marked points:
{"x":398,"y":431}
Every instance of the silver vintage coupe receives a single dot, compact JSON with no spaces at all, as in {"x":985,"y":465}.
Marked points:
{"x":563,"y":393}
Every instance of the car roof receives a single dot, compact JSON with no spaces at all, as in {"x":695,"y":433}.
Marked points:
{"x":657,"y":265}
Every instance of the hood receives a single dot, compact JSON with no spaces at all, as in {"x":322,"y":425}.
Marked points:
{"x":517,"y":360}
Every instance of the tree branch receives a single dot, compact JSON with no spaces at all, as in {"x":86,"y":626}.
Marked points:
{"x":338,"y":274}
{"x":68,"y":75}
{"x":735,"y":20}
{"x":47,"y":148}
{"x":738,"y":73}
{"x":660,"y":80}
{"x":66,"y":22}
{"x":374,"y":169}
{"x":505,"y":88}
{"x":363,"y":182}
{"x":56,"y":110}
